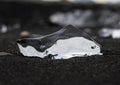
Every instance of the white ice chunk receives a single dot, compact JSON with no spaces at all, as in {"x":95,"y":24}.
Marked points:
{"x":116,"y":34}
{"x":107,"y":32}
{"x":65,"y":49}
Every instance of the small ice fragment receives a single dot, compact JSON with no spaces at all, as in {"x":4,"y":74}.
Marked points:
{"x":105,"y":32}
{"x":7,"y":28}
{"x":25,"y":34}
{"x":4,"y":53}
{"x":4,"y":29}
{"x":64,"y":44}
{"x":116,"y":34}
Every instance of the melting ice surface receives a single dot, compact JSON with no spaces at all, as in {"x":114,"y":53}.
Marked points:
{"x":77,"y":46}
{"x":72,"y":45}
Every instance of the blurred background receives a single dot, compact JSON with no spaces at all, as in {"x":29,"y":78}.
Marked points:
{"x":32,"y":18}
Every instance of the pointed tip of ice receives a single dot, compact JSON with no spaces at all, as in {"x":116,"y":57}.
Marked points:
{"x":70,"y":27}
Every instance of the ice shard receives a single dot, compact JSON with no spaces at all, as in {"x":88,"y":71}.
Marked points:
{"x":63,"y":44}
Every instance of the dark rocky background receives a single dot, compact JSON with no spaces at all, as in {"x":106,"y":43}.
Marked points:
{"x":16,"y":69}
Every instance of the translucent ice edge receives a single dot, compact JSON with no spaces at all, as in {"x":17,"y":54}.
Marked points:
{"x":65,"y":49}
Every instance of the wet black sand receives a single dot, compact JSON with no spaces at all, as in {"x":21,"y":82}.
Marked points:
{"x":95,"y":70}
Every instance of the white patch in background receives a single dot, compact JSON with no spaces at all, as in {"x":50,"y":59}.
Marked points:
{"x":107,"y":32}
{"x":116,"y":34}
{"x":4,"y":29}
{"x":77,"y":18}
{"x":65,"y":49}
